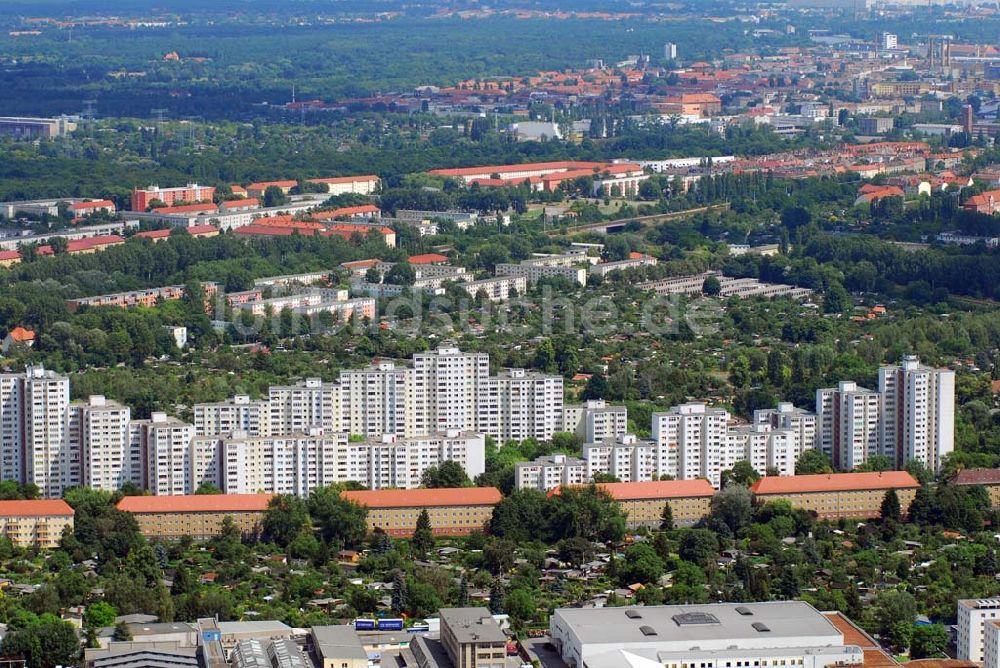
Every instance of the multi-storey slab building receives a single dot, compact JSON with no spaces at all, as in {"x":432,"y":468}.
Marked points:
{"x":917,"y":413}
{"x":35,"y":523}
{"x":452,"y":512}
{"x":848,"y":418}
{"x":837,"y":495}
{"x":197,"y":516}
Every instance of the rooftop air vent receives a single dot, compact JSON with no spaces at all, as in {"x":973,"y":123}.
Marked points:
{"x":633,"y":614}
{"x":647,"y":630}
{"x":761,"y":627}
{"x":743,"y":610}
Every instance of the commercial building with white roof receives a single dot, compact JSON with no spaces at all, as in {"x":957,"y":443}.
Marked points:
{"x":790,"y":634}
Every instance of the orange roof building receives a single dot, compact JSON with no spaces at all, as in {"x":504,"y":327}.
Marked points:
{"x":643,"y":502}
{"x":835,"y":495}
{"x":30,"y":523}
{"x":199,"y":516}
{"x":453,"y":511}
{"x":428,"y":258}
{"x":88,"y":245}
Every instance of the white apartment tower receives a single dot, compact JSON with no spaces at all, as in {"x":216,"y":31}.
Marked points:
{"x":917,"y":413}
{"x":451,"y":380}
{"x":382,"y":399}
{"x":166,"y":446}
{"x":50,"y":460}
{"x":309,"y":404}
{"x":848,"y":418}
{"x":237,"y":414}
{"x":973,"y":616}
{"x":693,"y":434}
{"x":103,"y":437}
{"x":595,"y":421}
{"x":787,"y":416}
{"x":12,"y":426}
{"x":517,"y":404}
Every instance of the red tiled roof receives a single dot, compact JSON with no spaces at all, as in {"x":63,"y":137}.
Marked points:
{"x":406,"y":498}
{"x":195,"y":230}
{"x":977,"y":477}
{"x":271,"y":231}
{"x":362,"y":264}
{"x":20,"y":334}
{"x":154,"y":234}
{"x":78,"y":245}
{"x":345,"y":211}
{"x":10,"y":255}
{"x":530,"y":166}
{"x":244,"y":203}
{"x":347,"y":229}
{"x":427,"y":258}
{"x":95,"y":204}
{"x":833,"y":482}
{"x":264,"y":185}
{"x":346,"y":179}
{"x":195,"y":503}
{"x":186,"y":208}
{"x":34,"y":508}
{"x":660,"y":489}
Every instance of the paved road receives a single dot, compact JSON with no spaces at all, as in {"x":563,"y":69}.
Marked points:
{"x":549,"y":658}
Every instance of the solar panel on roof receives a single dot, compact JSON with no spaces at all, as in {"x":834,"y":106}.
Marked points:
{"x":691,"y":618}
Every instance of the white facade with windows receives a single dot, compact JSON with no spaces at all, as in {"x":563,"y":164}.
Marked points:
{"x":917,"y":413}
{"x":974,"y":615}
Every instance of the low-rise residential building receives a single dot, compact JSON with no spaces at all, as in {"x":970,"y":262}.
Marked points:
{"x":837,"y":495}
{"x":35,"y":523}
{"x":453,"y":512}
{"x":986,"y":478}
{"x":199,"y":516}
{"x":643,"y":502}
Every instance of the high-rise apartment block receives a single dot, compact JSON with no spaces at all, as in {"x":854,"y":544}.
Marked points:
{"x":848,"y":424}
{"x":917,"y":413}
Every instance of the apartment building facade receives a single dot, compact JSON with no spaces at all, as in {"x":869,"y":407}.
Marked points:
{"x":917,"y":413}
{"x":35,"y":523}
{"x":848,"y":420}
{"x":199,"y":516}
{"x":452,"y":512}
{"x":838,"y":495}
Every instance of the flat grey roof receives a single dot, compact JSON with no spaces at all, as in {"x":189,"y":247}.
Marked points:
{"x":472,"y":625}
{"x":691,"y":623}
{"x":339,"y":641}
{"x":265,"y":626}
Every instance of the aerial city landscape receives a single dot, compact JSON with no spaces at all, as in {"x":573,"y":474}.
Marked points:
{"x":499,"y":334}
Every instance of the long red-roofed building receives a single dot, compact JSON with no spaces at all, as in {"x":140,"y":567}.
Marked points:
{"x":88,"y":245}
{"x":453,"y":511}
{"x":643,"y":502}
{"x":29,"y":523}
{"x":856,"y":495}
{"x":199,"y":516}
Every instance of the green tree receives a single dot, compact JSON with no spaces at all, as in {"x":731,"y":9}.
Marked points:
{"x":731,"y":510}
{"x":520,"y":605}
{"x":667,"y":518}
{"x":811,"y":462}
{"x":498,"y":597}
{"x":99,"y":615}
{"x":448,"y":474}
{"x":274,"y":196}
{"x":47,"y":643}
{"x":400,"y":593}
{"x":641,"y":564}
{"x":742,"y":473}
{"x":423,"y":535}
{"x":285,"y":517}
{"x":122,"y":632}
{"x":895,"y":612}
{"x":928,"y":641}
{"x":711,"y":286}
{"x":341,"y":521}
{"x":890,"y":506}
